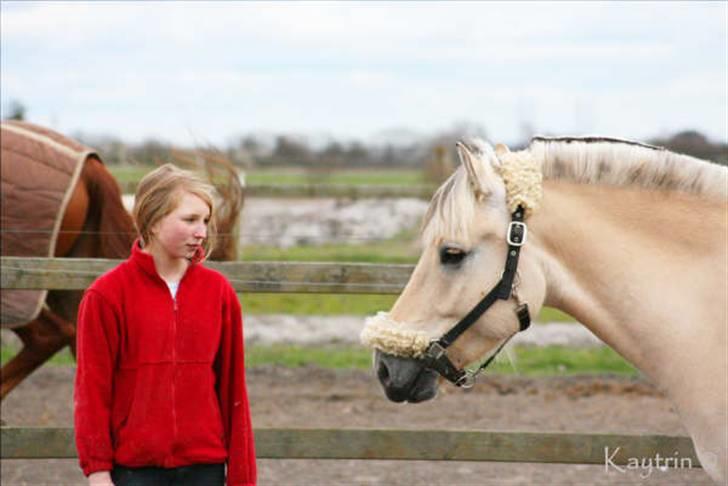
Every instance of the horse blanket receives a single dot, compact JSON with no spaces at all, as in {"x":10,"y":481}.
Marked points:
{"x":40,"y":169}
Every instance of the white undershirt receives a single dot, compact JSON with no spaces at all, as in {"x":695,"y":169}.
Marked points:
{"x":173,"y":286}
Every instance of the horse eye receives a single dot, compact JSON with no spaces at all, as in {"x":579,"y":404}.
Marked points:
{"x":451,"y":256}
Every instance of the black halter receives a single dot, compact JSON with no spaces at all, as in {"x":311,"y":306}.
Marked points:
{"x":436,"y":357}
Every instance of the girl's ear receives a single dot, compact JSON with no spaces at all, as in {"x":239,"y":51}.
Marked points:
{"x":480,"y":161}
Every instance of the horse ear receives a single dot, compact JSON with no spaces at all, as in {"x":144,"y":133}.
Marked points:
{"x":501,"y":149}
{"x":479,"y":159}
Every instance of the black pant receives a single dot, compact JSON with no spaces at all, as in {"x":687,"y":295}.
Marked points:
{"x":195,"y":475}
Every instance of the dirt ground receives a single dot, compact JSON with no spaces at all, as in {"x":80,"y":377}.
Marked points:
{"x":312,"y":397}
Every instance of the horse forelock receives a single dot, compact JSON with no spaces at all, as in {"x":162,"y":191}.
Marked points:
{"x":609,"y":161}
{"x":451,"y":210}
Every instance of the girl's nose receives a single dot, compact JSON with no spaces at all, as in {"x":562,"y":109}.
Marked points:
{"x":201,"y":231}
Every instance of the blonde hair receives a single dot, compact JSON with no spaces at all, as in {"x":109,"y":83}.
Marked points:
{"x":159,"y":193}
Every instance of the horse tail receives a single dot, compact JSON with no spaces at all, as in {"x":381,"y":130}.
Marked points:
{"x":223,"y":175}
{"x":107,"y":215}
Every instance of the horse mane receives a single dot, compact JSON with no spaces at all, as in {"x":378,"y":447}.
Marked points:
{"x":615,"y":162}
{"x":223,"y":176}
{"x":107,"y":215}
{"x":587,"y":160}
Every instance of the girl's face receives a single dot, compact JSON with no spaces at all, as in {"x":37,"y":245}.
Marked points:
{"x":181,"y":232}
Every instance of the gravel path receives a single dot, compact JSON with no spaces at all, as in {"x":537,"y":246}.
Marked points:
{"x":290,"y":222}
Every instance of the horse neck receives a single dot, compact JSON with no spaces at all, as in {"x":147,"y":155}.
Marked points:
{"x":636,"y":267}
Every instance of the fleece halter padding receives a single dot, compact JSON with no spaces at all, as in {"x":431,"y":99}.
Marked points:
{"x":523,"y":178}
{"x":389,"y":336}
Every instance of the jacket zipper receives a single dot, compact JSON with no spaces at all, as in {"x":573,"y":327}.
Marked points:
{"x":174,"y":377}
{"x":175,"y":311}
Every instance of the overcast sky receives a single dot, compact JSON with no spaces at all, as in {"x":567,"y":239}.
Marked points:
{"x":186,"y":72}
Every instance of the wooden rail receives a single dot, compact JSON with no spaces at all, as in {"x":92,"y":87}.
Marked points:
{"x":339,"y":191}
{"x":429,"y":445}
{"x":274,"y":277}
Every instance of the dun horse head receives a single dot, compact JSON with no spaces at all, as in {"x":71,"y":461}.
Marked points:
{"x":465,"y":245}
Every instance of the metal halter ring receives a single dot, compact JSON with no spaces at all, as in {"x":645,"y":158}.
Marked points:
{"x":467,"y":380}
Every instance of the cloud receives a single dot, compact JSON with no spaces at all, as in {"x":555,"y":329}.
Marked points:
{"x":136,"y":68}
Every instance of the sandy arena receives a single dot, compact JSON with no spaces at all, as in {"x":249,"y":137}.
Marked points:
{"x":312,"y":397}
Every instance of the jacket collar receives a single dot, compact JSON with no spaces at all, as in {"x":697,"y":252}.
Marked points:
{"x":146,"y":261}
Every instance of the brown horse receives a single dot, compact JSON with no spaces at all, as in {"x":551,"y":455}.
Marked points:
{"x":95,"y":224}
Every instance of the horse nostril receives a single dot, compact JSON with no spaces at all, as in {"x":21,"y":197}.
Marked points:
{"x":383,"y":373}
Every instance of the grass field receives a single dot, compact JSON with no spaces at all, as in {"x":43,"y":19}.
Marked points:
{"x":527,"y":361}
{"x":342,"y":304}
{"x":399,"y":249}
{"x":397,"y":177}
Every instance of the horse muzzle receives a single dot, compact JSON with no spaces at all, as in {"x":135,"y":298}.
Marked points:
{"x":405,"y":379}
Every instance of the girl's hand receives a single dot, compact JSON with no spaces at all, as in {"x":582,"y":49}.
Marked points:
{"x":101,"y":478}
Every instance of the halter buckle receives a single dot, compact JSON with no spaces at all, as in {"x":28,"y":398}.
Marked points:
{"x":517,"y":233}
{"x":434,"y":351}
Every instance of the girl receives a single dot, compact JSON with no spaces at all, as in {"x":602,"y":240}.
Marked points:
{"x":160,"y":394}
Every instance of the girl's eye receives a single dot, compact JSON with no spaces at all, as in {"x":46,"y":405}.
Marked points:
{"x":452,"y":256}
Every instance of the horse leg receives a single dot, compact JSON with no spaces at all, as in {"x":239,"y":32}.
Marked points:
{"x":42,"y":338}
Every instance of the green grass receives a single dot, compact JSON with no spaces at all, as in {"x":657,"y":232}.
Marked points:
{"x":316,"y":304}
{"x":549,"y":314}
{"x":342,"y":304}
{"x":125,"y":174}
{"x":529,"y":361}
{"x":294,"y":356}
{"x":400,"y":249}
{"x":398,"y":177}
{"x":561,"y":360}
{"x":61,"y":358}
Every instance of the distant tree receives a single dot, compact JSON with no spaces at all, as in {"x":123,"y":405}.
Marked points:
{"x":112,"y":150}
{"x":692,"y":142}
{"x":245,"y":151}
{"x":251,"y":144}
{"x":150,"y":152}
{"x":357,"y":154}
{"x":439,"y":166}
{"x":289,"y":151}
{"x":332,"y":155}
{"x":446,"y":140}
{"x":16,"y":111}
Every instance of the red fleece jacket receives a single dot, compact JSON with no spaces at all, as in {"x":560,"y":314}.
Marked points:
{"x":160,"y":381}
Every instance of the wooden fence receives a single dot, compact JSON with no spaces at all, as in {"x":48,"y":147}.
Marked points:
{"x":429,"y":445}
{"x":73,"y":274}
{"x":331,"y":278}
